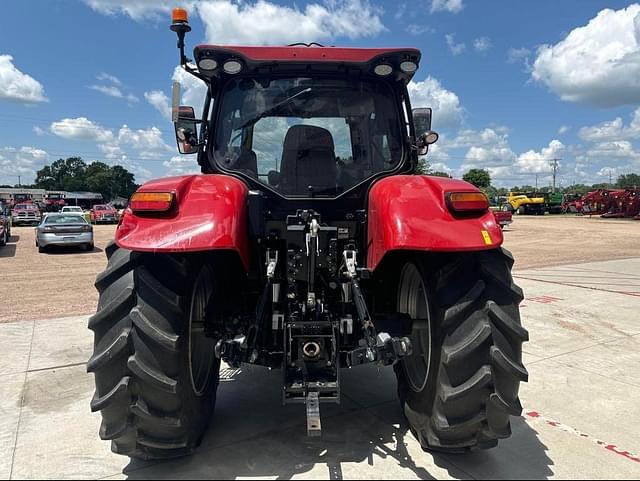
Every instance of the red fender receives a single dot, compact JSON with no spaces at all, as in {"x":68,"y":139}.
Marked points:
{"x":210,"y":214}
{"x":409,"y":212}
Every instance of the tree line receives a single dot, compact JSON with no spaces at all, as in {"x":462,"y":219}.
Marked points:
{"x":75,"y":175}
{"x":481,"y":178}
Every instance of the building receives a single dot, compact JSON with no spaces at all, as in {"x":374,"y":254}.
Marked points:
{"x":13,"y":196}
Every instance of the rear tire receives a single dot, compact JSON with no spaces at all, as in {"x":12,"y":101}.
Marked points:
{"x":151,"y":408}
{"x":4,"y":239}
{"x":473,"y":336}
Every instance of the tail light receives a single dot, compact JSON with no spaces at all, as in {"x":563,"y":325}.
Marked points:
{"x":152,"y":201}
{"x":467,"y":202}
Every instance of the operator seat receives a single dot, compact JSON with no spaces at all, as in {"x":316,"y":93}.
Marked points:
{"x":308,"y":159}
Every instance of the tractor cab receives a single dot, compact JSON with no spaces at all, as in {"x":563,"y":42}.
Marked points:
{"x":304,"y":121}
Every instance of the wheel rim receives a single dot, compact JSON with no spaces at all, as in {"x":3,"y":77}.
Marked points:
{"x":413,"y":301}
{"x":201,"y":348}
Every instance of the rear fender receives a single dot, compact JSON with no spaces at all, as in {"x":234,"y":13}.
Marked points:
{"x":210,"y":214}
{"x":409,"y":212}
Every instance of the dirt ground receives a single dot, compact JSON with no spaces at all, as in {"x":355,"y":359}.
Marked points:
{"x":567,"y":239}
{"x":60,"y":283}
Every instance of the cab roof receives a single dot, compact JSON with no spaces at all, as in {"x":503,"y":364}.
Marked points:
{"x":303,"y":56}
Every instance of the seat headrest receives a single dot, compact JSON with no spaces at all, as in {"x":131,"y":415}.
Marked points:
{"x":308,"y":137}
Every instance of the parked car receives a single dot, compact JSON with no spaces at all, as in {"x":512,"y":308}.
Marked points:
{"x":5,"y":224}
{"x":70,"y":209}
{"x":26,"y":213}
{"x":64,"y":229}
{"x":104,"y":213}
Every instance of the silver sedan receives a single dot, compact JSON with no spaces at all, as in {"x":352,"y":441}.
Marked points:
{"x":64,"y":230}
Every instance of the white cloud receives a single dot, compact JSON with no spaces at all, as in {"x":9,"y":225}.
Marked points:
{"x":39,"y":131}
{"x":482,"y":44}
{"x":182,"y":165}
{"x":488,"y":149}
{"x":445,"y":104}
{"x":597,"y":64}
{"x":81,"y":128}
{"x":515,"y":55}
{"x":110,"y":90}
{"x":136,"y":9}
{"x":612,"y":130}
{"x":488,"y":137}
{"x":148,"y":143}
{"x":23,"y":161}
{"x":159,"y":100}
{"x":452,"y":6}
{"x":454,"y":48}
{"x":563,"y":130}
{"x":17,"y":86}
{"x":418,"y":29}
{"x":105,"y":77}
{"x":539,"y":162}
{"x":263,"y":22}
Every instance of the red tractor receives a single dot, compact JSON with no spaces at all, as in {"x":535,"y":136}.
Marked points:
{"x":307,"y":245}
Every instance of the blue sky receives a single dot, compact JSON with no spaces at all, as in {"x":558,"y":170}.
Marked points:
{"x":513,"y":84}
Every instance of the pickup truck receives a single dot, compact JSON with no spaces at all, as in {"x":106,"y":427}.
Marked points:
{"x":25,"y":214}
{"x":503,"y":217}
{"x":104,"y":213}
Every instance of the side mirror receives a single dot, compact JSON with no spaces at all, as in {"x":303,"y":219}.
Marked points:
{"x":422,"y":125}
{"x":186,"y":127}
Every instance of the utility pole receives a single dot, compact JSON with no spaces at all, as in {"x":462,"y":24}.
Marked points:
{"x":19,"y":181}
{"x":554,"y":165}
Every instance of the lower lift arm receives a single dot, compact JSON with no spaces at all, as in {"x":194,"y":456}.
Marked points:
{"x":380,"y":348}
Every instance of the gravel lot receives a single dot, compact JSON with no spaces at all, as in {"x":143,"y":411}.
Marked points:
{"x":60,"y":283}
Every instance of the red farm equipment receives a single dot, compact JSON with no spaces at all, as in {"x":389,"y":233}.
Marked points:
{"x":624,"y":204}
{"x":306,"y":245}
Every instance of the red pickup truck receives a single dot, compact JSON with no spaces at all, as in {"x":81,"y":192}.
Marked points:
{"x":26,"y":213}
{"x":503,"y":217}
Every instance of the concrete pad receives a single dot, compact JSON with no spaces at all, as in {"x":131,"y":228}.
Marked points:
{"x":58,"y":435}
{"x":15,"y":341}
{"x":60,"y":342}
{"x":539,"y":451}
{"x":621,"y":276}
{"x":563,"y":320}
{"x":617,"y":360}
{"x":10,"y":399}
{"x":352,"y":447}
{"x":587,"y":402}
{"x":249,"y":404}
{"x":370,"y":385}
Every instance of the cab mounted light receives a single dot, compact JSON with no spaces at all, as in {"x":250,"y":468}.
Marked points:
{"x":151,"y":201}
{"x":467,"y":202}
{"x":208,"y":64}
{"x":232,"y":67}
{"x":409,"y":67}
{"x":383,"y":70}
